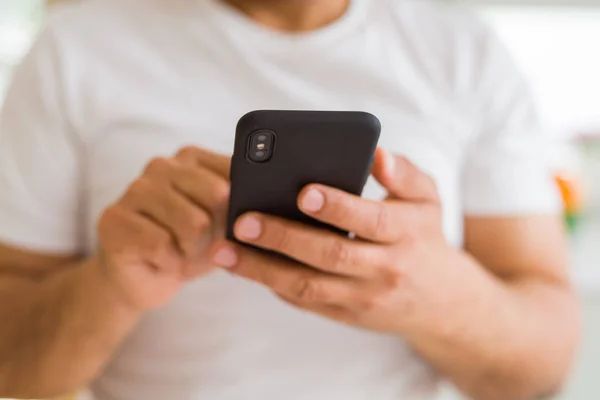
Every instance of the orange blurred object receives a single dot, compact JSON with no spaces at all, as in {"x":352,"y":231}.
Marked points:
{"x":572,"y":192}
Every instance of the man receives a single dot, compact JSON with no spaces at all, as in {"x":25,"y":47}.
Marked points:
{"x":115,"y":141}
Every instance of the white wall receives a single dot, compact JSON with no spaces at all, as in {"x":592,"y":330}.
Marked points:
{"x":559,"y":49}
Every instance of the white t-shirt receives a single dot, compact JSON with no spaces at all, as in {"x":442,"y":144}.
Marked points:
{"x":113,"y":83}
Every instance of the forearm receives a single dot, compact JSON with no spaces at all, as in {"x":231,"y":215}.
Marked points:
{"x":58,"y":333}
{"x":495,"y":340}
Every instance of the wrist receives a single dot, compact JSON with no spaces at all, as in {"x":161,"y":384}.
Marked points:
{"x":443,"y":281}
{"x":95,"y":280}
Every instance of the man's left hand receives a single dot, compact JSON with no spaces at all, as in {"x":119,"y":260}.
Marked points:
{"x":369,"y":281}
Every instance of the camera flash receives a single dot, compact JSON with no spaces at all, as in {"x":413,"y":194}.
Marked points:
{"x":260,"y":146}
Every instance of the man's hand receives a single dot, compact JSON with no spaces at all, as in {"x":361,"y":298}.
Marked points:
{"x":359,"y":281}
{"x":501,"y":321}
{"x":157,"y":235}
{"x":68,"y":315}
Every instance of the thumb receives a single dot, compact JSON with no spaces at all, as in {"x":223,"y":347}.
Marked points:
{"x":402,"y":179}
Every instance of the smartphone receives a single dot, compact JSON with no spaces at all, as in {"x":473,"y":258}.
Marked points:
{"x":277,"y":153}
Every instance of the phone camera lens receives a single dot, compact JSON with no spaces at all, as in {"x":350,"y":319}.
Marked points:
{"x":261,"y":146}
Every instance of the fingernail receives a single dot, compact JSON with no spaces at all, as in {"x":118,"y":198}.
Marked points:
{"x":249,"y":228}
{"x":313,"y":201}
{"x":225,"y":257}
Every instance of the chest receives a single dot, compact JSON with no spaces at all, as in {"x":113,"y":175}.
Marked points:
{"x":199,"y":102}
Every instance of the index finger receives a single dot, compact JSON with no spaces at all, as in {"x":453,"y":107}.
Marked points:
{"x":321,"y":249}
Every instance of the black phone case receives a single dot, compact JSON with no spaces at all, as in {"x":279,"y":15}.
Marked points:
{"x":327,"y":147}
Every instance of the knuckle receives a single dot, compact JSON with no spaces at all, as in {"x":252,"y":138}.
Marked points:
{"x":139,"y":187}
{"x":382,"y":220}
{"x":198,"y":221}
{"x":270,"y":279}
{"x":191,"y":232}
{"x":220,"y":192}
{"x":158,"y":166}
{"x":308,"y":290}
{"x":393,"y":278}
{"x":401,"y":287}
{"x":187,"y":152}
{"x":394,"y":275}
{"x":370,"y":303}
{"x":281,"y":237}
{"x":338,"y":255}
{"x":109,"y":216}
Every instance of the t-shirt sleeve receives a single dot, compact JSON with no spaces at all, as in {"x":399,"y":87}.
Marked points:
{"x":39,"y":163}
{"x":506,"y":171}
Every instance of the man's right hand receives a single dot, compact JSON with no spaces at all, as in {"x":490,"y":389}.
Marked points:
{"x":156,"y":237}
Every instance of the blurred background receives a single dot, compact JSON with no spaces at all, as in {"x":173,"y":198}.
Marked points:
{"x":557,"y":45}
